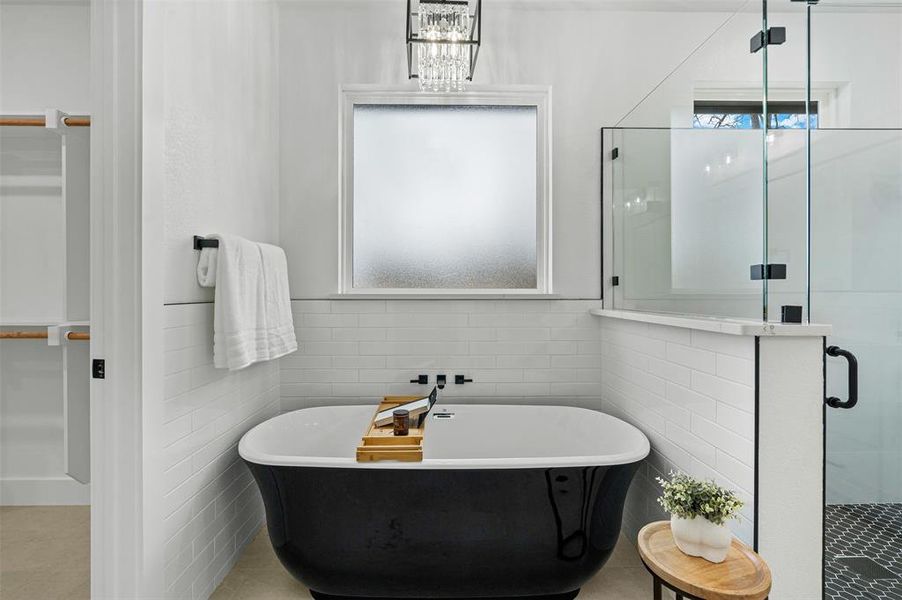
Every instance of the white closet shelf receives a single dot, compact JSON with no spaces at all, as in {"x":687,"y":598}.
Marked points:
{"x":44,"y":323}
{"x":31,"y":181}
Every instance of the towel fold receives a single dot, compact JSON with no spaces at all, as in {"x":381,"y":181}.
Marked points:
{"x":206,"y":267}
{"x":252,"y":307}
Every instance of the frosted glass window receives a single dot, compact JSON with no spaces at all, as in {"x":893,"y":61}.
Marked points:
{"x":444,"y":197}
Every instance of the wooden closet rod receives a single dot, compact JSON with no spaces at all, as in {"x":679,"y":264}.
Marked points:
{"x":72,"y":336}
{"x":41,"y":121}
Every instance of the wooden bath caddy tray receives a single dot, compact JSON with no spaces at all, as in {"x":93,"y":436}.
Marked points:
{"x":381,"y":443}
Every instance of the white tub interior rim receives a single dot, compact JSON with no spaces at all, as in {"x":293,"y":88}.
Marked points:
{"x":476,"y":437}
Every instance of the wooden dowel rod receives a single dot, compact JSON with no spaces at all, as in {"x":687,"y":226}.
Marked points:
{"x":23,"y":335}
{"x":77,"y":121}
{"x":72,"y":336}
{"x":22,"y":121}
{"x":40,"y":121}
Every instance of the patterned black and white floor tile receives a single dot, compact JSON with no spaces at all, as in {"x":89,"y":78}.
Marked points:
{"x":863,"y":553}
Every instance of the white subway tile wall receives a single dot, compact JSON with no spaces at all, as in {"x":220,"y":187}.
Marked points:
{"x":210,"y":503}
{"x":359,"y":350}
{"x":691,"y":392}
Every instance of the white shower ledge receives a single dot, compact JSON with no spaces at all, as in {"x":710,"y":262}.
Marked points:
{"x":719,"y":325}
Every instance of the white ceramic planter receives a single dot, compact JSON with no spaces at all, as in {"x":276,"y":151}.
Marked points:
{"x":701,"y":537}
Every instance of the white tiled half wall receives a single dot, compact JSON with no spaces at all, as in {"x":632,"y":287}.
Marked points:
{"x":544,"y":351}
{"x":692,"y":393}
{"x":210,"y":504}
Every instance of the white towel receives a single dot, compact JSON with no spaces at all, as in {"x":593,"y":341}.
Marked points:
{"x":252,"y":307}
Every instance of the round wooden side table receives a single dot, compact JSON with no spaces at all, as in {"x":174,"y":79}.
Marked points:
{"x":742,"y":576}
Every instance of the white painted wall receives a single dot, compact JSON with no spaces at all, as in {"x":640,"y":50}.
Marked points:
{"x":219,"y":129}
{"x":577,"y":51}
{"x":44,"y":57}
{"x":854,"y":89}
{"x":32,"y":215}
{"x":209,"y":165}
{"x":44,"y":63}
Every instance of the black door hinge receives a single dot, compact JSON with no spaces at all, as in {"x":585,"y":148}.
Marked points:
{"x":615,"y":280}
{"x":776,"y":271}
{"x":615,"y":153}
{"x":773,"y":37}
{"x":98,"y":368}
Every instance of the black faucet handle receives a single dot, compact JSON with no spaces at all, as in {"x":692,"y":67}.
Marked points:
{"x":462,"y":379}
{"x":421,"y":379}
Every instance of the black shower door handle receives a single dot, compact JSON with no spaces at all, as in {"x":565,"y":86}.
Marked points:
{"x":833,"y":401}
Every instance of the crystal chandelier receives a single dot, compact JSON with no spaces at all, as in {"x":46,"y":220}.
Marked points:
{"x":443,"y":38}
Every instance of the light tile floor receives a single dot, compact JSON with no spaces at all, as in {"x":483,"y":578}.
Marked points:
{"x":45,"y":555}
{"x":258,"y":575}
{"x":45,"y":552}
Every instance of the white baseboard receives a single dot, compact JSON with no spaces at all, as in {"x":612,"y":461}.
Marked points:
{"x":46,"y":491}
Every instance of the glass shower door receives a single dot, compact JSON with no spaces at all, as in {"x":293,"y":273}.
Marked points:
{"x":855,"y":215}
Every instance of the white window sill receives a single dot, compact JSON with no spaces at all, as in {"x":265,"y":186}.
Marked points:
{"x":448,"y":296}
{"x":719,"y":325}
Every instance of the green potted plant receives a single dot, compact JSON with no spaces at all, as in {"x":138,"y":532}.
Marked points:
{"x":699,"y":511}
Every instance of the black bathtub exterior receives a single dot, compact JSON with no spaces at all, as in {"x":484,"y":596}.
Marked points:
{"x":420,"y":533}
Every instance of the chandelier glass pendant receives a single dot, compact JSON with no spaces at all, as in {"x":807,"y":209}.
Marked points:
{"x":443,"y":38}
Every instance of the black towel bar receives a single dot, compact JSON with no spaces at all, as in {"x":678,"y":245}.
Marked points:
{"x":200,"y":242}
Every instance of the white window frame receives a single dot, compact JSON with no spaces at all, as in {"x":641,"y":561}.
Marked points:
{"x":539,"y":97}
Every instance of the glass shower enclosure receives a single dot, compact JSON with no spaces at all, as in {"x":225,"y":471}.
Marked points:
{"x":853,"y":72}
{"x":765,"y":171}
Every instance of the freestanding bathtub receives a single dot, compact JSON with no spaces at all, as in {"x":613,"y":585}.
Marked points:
{"x":509,"y":501}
